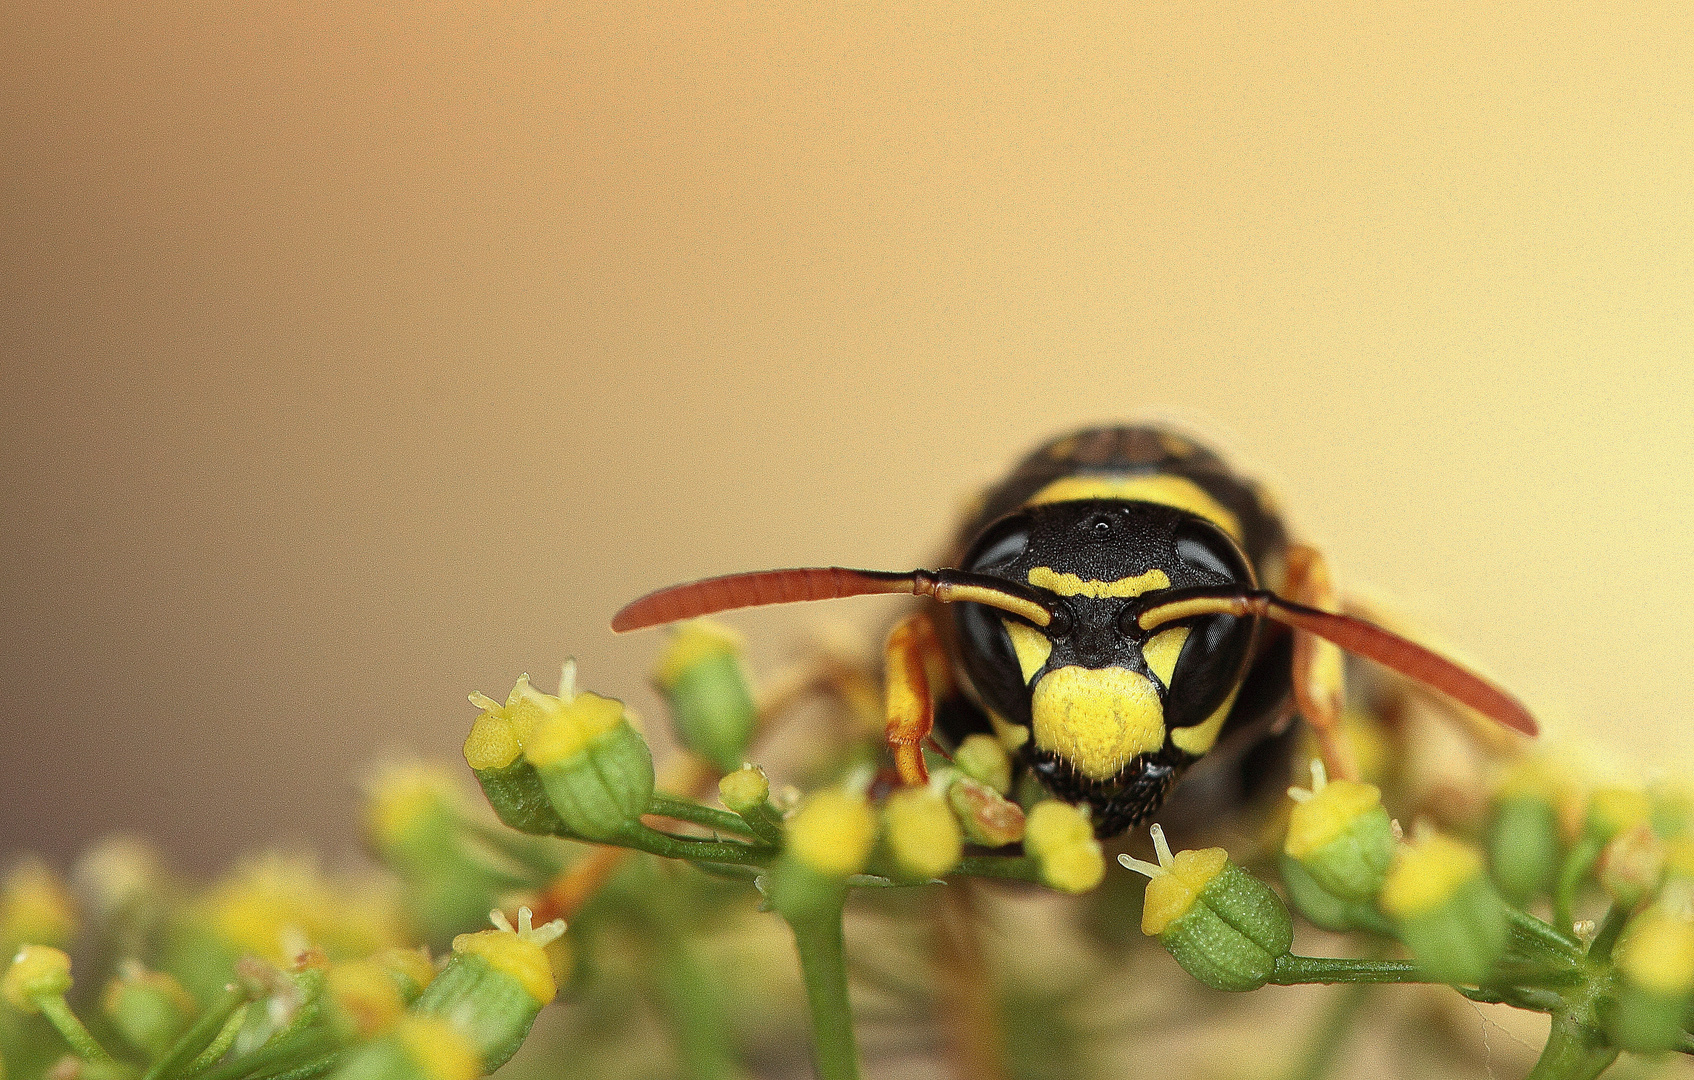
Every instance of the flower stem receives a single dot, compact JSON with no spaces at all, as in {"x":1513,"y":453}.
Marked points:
{"x":1577,"y":864}
{"x":733,"y":852}
{"x":823,"y":966}
{"x":1293,"y":970}
{"x":1325,"y":1042}
{"x":1546,"y":937}
{"x":220,"y":1044}
{"x":1572,"y":1053}
{"x":1021,"y":867}
{"x":1610,"y":927}
{"x":59,"y":1014}
{"x":198,"y":1037}
{"x":698,"y":814}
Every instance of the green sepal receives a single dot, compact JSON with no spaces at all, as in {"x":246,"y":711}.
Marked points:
{"x":1232,"y":935}
{"x":519,"y":799}
{"x":489,"y":1007}
{"x":712,"y":709}
{"x":1458,"y":940}
{"x":605,"y":788}
{"x":1354,"y":865}
{"x":1646,"y":1021}
{"x":1523,"y":848}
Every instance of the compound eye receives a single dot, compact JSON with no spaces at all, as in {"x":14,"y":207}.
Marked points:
{"x":1002,"y":544}
{"x":1209,"y":549}
{"x":1208,"y":668}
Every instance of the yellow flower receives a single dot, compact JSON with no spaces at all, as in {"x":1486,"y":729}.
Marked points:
{"x":832,"y":833}
{"x":923,"y":834}
{"x":1062,"y":841}
{"x":37,"y":971}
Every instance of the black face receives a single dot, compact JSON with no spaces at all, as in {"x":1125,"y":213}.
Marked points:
{"x":1089,"y":550}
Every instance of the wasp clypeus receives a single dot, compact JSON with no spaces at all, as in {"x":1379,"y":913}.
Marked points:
{"x":1118,"y":604}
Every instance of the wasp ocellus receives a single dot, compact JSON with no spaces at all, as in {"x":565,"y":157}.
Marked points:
{"x":1120,"y":603}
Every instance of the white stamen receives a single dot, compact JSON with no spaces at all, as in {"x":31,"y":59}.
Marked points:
{"x":498,"y":918}
{"x":520,"y":690}
{"x":567,"y":680}
{"x":1161,"y":845}
{"x":1146,"y":869}
{"x":524,"y":920}
{"x":1299,"y":794}
{"x":1320,"y":775}
{"x":483,"y":701}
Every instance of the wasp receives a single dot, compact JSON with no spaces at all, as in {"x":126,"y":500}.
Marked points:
{"x":1119,"y":603}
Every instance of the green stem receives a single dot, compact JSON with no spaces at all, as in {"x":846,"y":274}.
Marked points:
{"x":220,"y":1044}
{"x":1610,"y":927}
{"x":733,"y":852}
{"x":196,"y":1038}
{"x":1326,"y":1041}
{"x":1021,"y":867}
{"x":1293,"y":970}
{"x":823,"y":965}
{"x":1548,"y":938}
{"x":310,"y":1069}
{"x":1572,"y":1053}
{"x":1577,"y":865}
{"x":59,"y":1014}
{"x":280,"y":1048}
{"x":766,"y":822}
{"x":707,"y":817}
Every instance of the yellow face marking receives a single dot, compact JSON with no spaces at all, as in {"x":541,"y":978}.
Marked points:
{"x":1177,"y":492}
{"x":1097,"y":718}
{"x":1201,"y":737}
{"x":1032,"y":646}
{"x":1070,"y":585}
{"x":1162,"y":650}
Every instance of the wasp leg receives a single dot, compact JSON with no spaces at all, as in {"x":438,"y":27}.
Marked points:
{"x":1320,"y":687}
{"x":918,"y":674}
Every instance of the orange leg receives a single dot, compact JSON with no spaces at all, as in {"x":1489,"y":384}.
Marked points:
{"x":917,"y":675}
{"x":1319,"y":686}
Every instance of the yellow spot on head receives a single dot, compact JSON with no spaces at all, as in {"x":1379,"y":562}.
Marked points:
{"x":1176,"y":492}
{"x":1032,"y":646}
{"x":1046,"y":577}
{"x":1162,"y":651}
{"x":1097,"y":718}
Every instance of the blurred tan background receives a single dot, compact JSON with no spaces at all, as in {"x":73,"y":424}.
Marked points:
{"x":357,"y":356}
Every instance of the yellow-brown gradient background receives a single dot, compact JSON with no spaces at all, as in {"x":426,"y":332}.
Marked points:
{"x":359,"y":355}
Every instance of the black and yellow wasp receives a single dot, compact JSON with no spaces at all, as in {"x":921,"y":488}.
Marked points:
{"x":1120,"y":602}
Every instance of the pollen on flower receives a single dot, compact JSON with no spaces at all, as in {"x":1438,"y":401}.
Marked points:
{"x":567,"y":728}
{"x":37,"y":971}
{"x":518,"y":951}
{"x":438,"y":1049}
{"x":1062,"y":840}
{"x":922,"y":832}
{"x":692,"y":642}
{"x":832,"y":833}
{"x":1175,"y":882}
{"x":1322,"y":814}
{"x":1427,"y":872}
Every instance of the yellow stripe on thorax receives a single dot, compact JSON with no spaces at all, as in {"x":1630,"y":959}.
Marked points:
{"x":1045,"y":577}
{"x":1177,"y":492}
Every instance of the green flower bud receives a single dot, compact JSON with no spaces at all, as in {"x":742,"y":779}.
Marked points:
{"x":1223,"y":925}
{"x":1062,"y":841}
{"x":983,"y":757}
{"x":495,"y":985}
{"x":494,"y":751}
{"x":595,"y":766}
{"x":744,"y":790}
{"x":987,"y":817}
{"x":1632,"y":865}
{"x":703,"y":681}
{"x":150,"y":1009}
{"x":37,"y":971}
{"x":1445,"y":909}
{"x":1523,"y":846}
{"x":1317,"y":905}
{"x":827,"y":840}
{"x":418,"y":1048}
{"x":1656,"y":960}
{"x":1340,"y":835}
{"x":923,"y":835}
